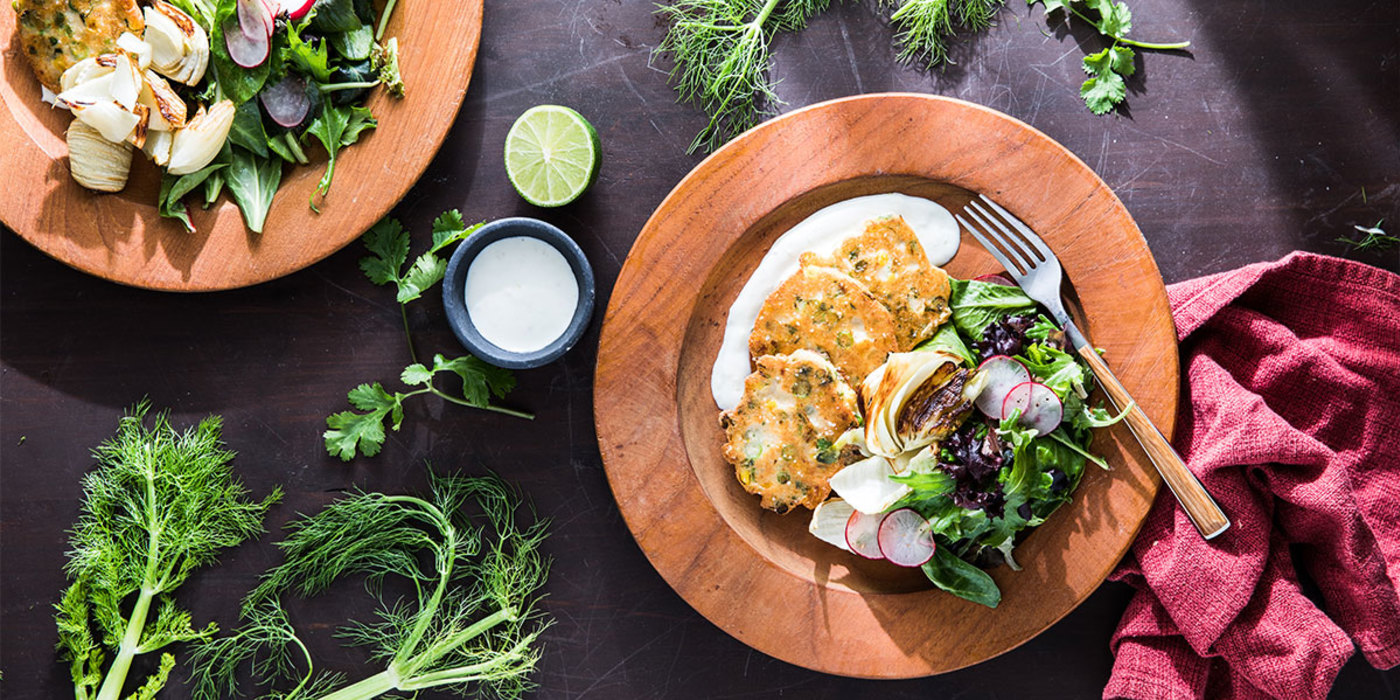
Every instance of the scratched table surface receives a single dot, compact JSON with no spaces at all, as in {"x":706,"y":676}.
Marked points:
{"x":1277,"y":131}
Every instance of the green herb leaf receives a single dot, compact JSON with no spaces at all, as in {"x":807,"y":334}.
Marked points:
{"x":310,"y":57}
{"x":237,"y":83}
{"x":1123,"y":61}
{"x":962,"y":579}
{"x":946,"y":339}
{"x":449,"y":229}
{"x":355,"y":44}
{"x":337,"y":127}
{"x":977,"y":305}
{"x":253,"y":182}
{"x":247,"y":130}
{"x":416,"y":374}
{"x":335,"y":16}
{"x":389,"y":242}
{"x":173,"y":189}
{"x":1103,"y":91}
{"x":1115,"y":19}
{"x":480,"y":380}
{"x":364,"y":432}
{"x":425,"y":272}
{"x":1105,"y":88}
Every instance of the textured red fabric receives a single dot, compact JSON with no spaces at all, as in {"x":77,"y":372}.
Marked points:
{"x":1293,"y":423}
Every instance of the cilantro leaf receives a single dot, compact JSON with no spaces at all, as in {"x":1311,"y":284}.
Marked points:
{"x":480,"y":380}
{"x":1104,"y":89}
{"x":389,"y":242}
{"x":1123,"y":61}
{"x":363,"y":431}
{"x":416,"y":374}
{"x":1115,"y":19}
{"x":449,"y":228}
{"x":426,"y":271}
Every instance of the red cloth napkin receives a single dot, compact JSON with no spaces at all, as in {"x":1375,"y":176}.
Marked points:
{"x":1293,"y":423}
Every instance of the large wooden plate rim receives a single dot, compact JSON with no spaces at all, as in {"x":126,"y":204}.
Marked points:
{"x":813,"y":606}
{"x":120,"y":237}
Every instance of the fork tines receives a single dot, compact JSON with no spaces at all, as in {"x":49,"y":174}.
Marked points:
{"x":1027,"y":251}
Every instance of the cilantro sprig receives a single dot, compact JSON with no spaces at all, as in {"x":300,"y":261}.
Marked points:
{"x":1105,"y":87}
{"x":350,"y":432}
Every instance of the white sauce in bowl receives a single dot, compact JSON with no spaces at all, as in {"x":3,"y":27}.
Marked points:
{"x":521,"y":294}
{"x":821,"y":233}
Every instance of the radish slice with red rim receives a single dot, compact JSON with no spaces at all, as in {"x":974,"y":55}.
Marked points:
{"x":1040,"y":408}
{"x":862,"y":535}
{"x":254,"y":18}
{"x":295,"y":9}
{"x":1002,"y":372}
{"x":906,"y":538}
{"x":286,"y":102}
{"x":246,"y":51}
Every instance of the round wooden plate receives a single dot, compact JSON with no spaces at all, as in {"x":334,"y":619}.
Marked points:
{"x":759,"y":576}
{"x":121,"y":238}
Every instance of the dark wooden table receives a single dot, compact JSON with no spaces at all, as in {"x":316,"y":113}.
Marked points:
{"x":1277,"y":131}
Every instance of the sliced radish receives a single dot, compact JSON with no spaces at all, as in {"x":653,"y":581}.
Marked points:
{"x":286,"y":102}
{"x":1040,"y":408}
{"x":863,"y":535}
{"x":1002,"y":372}
{"x":905,"y":538}
{"x":996,"y":278}
{"x":254,"y":19}
{"x":295,"y":9}
{"x":246,"y":51}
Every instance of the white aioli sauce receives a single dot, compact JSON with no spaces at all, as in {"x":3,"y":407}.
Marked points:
{"x":521,"y":294}
{"x":820,"y":233}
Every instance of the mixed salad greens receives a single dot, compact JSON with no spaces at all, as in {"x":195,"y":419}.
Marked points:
{"x":959,"y":506}
{"x":296,"y":73}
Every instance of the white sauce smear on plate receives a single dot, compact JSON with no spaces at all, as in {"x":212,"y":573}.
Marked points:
{"x":521,"y":294}
{"x":820,"y":233}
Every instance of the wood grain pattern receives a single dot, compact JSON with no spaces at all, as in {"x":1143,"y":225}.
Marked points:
{"x":1204,"y":512}
{"x":120,"y":237}
{"x":758,"y":575}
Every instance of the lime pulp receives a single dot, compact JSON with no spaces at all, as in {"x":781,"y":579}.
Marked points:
{"x":551,"y":155}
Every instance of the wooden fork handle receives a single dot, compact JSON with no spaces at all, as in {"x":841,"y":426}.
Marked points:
{"x":1204,"y":512}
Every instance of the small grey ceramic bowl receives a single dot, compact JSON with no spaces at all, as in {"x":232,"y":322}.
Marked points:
{"x":454,"y":287}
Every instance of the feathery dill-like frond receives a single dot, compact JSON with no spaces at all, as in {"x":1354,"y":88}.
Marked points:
{"x":924,"y":26}
{"x":160,"y":504}
{"x":720,"y":50}
{"x":472,"y":626}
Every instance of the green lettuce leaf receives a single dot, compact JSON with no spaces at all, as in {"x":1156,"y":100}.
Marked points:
{"x":977,"y":305}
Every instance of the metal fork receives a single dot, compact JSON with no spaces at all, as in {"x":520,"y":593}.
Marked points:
{"x":1036,"y":269}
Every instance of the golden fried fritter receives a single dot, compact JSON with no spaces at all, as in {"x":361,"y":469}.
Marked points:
{"x":781,"y":436}
{"x":825,"y":310}
{"x":889,"y":260}
{"x":55,"y":34}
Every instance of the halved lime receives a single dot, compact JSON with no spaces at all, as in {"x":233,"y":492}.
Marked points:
{"x":552,"y":155}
